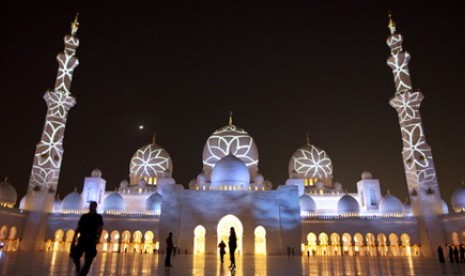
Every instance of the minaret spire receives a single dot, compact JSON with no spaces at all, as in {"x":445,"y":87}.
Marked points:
{"x":49,"y":151}
{"x":154,"y":138}
{"x":308,"y":139}
{"x":417,"y":157}
{"x":230,"y":119}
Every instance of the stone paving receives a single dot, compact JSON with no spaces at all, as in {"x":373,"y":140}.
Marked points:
{"x":58,"y":263}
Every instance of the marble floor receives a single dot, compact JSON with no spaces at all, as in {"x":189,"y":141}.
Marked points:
{"x":58,"y":263}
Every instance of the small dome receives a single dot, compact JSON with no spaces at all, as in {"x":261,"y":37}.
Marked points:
{"x":307,"y":204}
{"x":153,"y":203}
{"x":114,"y":202}
{"x":347,"y":204}
{"x":141,"y":183}
{"x":258,"y":179}
{"x":230,"y":171}
{"x":390,"y":204}
{"x":367,"y":175}
{"x":338,"y":187}
{"x":96,"y":173}
{"x":22,"y":203}
{"x":267,"y":184}
{"x":167,"y":173}
{"x":458,"y":199}
{"x":124,"y":184}
{"x":445,"y":208}
{"x":8,"y":195}
{"x":201,"y":178}
{"x":57,"y":205}
{"x":72,"y":201}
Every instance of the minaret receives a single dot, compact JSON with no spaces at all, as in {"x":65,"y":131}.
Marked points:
{"x":49,"y":151}
{"x":418,"y":160}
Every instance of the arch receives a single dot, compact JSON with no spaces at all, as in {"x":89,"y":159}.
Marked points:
{"x":148,"y":237}
{"x":69,"y":235}
{"x":126,"y":236}
{"x":347,"y":244}
{"x":137,"y":237}
{"x":13,"y":232}
{"x":223,"y":230}
{"x":58,"y":237}
{"x":405,"y":239}
{"x":199,"y":240}
{"x":114,"y":236}
{"x":393,"y":239}
{"x":335,"y":239}
{"x":3,"y":232}
{"x":358,"y":241}
{"x":381,"y":239}
{"x":323,"y":238}
{"x":370,"y":239}
{"x":260,"y":240}
{"x":311,"y":238}
{"x":455,"y":238}
{"x":382,"y":246}
{"x":104,"y":236}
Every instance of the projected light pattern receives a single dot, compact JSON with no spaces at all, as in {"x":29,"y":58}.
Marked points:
{"x":416,"y":153}
{"x":230,"y":139}
{"x":310,"y":162}
{"x":150,"y":161}
{"x":49,"y":151}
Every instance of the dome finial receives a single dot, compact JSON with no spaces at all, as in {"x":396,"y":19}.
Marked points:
{"x":308,"y":139}
{"x":388,"y":193}
{"x":75,"y":24}
{"x":230,"y":120}
{"x":75,"y":189}
{"x":6,"y":180}
{"x":392,"y":23}
{"x":154,"y":138}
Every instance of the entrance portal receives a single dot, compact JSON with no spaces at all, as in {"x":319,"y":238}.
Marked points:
{"x":224,"y":226}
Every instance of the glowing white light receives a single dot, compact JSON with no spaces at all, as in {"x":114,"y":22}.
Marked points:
{"x":141,"y":127}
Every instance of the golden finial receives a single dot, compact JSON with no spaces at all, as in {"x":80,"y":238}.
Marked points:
{"x":392,"y":23}
{"x":388,"y":193}
{"x":6,"y":179}
{"x":230,"y":121}
{"x":308,"y":139}
{"x":75,"y":24}
{"x":154,"y":138}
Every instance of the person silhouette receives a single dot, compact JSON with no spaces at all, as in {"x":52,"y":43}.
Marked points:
{"x":222,"y":247}
{"x":89,"y":228}
{"x":169,"y":250}
{"x":232,"y":247}
{"x":441,"y":254}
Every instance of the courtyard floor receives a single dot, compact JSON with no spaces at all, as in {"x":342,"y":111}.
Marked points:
{"x":58,"y":263}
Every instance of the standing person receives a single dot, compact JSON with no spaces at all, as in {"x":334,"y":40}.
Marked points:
{"x":462,"y":253}
{"x":451,"y":253}
{"x":441,"y":255}
{"x":169,"y":250}
{"x":222,"y":247}
{"x":232,"y":247}
{"x":89,"y":227}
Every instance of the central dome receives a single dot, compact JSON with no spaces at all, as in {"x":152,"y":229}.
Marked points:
{"x":230,"y":139}
{"x":230,"y":171}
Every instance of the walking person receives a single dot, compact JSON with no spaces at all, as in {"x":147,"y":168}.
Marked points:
{"x":222,"y":247}
{"x":232,"y":247}
{"x":441,"y":255}
{"x":169,"y":250}
{"x":89,"y":228}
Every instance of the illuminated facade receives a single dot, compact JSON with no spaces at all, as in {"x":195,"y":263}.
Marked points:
{"x":309,"y":213}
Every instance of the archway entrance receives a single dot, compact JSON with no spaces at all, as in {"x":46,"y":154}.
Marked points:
{"x":199,"y":240}
{"x":224,"y":226}
{"x":260,"y":240}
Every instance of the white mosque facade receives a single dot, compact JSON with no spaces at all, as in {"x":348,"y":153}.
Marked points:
{"x":309,"y":213}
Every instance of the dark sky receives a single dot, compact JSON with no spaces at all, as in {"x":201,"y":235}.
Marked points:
{"x":284,"y":68}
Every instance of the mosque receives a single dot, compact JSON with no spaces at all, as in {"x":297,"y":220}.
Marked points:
{"x":309,"y":213}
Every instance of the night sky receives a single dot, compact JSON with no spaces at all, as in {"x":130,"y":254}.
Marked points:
{"x":284,"y":68}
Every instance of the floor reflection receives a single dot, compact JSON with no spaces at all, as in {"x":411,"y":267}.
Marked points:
{"x":59,"y":263}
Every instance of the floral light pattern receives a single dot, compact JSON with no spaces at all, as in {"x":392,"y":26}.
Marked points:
{"x":309,"y":161}
{"x":230,"y":139}
{"x":150,"y":161}
{"x":49,"y":151}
